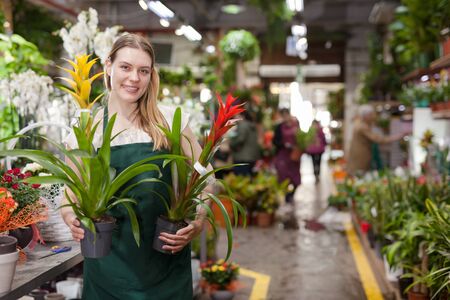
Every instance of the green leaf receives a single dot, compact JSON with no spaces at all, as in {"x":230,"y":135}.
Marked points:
{"x":228,"y":225}
{"x":134,"y":223}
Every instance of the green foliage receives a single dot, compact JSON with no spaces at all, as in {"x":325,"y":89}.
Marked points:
{"x":94,"y":183}
{"x":38,"y":25}
{"x":277,"y":16}
{"x":335,"y":104}
{"x":260,"y":193}
{"x":239,"y":45}
{"x":19,"y":55}
{"x":417,"y":27}
{"x":381,"y":79}
{"x":304,"y":139}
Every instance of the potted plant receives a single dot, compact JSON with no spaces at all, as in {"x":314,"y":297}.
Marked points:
{"x":192,"y":177}
{"x":269,"y":192}
{"x":219,"y":278}
{"x":238,"y":47}
{"x":8,"y":252}
{"x":91,"y":180}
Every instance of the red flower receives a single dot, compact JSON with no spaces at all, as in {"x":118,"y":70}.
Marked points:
{"x":15,"y":186}
{"x":15,"y":171}
{"x":7,"y":178}
{"x":21,"y":176}
{"x":35,"y":186}
{"x":28,"y":174}
{"x":224,"y":120}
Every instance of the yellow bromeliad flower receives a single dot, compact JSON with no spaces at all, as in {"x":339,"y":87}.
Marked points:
{"x":214,"y":268}
{"x":80,"y":82}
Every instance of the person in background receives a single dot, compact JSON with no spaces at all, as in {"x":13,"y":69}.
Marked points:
{"x":286,"y":163}
{"x":359,"y":157}
{"x":317,"y":148}
{"x":244,"y":145}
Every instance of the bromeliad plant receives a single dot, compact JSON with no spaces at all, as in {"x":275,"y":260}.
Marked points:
{"x":192,"y":177}
{"x":91,"y":179}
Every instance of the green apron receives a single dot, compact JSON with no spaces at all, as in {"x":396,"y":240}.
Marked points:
{"x":130,"y":272}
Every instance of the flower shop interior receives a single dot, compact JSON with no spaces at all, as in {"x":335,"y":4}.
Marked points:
{"x":326,"y":124}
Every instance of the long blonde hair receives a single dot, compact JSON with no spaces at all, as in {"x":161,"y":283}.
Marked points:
{"x":147,"y":112}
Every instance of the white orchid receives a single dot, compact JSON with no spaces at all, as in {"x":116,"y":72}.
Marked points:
{"x":27,"y":91}
{"x":85,"y":37}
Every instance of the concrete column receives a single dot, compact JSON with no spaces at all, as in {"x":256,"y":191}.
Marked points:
{"x":356,"y":63}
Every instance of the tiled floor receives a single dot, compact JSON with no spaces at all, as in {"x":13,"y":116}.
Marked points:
{"x":302,"y":264}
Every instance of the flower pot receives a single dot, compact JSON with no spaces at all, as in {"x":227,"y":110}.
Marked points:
{"x":403,"y":283}
{"x":222,"y":295}
{"x":8,"y":244}
{"x":7,"y":269}
{"x":417,"y":296}
{"x":264,"y":219}
{"x":23,"y":236}
{"x":100,"y":245}
{"x":163,"y":224}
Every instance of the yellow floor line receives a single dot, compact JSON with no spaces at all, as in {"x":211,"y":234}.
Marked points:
{"x":368,"y":279}
{"x":261,"y":286}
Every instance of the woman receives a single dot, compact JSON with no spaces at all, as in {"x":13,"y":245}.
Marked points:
{"x":131,"y":272}
{"x":317,"y":148}
{"x":287,"y":166}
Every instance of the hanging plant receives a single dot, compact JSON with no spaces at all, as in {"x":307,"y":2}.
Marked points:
{"x":277,"y":15}
{"x":237,"y":45}
{"x":240,"y":44}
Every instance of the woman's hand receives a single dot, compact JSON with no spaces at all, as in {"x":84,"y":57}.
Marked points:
{"x":176,"y":242}
{"x":74,"y":225}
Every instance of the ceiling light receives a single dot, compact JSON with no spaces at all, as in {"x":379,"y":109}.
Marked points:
{"x":164,"y":23}
{"x":160,"y":10}
{"x":232,"y":9}
{"x":179,"y":31}
{"x":299,"y":30}
{"x":143,"y":4}
{"x":210,"y":49}
{"x":190,"y":33}
{"x":295,"y":5}
{"x":328,"y":44}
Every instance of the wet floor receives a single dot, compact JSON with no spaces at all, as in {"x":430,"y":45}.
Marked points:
{"x":302,"y":264}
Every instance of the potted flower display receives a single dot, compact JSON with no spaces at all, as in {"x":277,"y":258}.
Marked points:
{"x":187,"y":196}
{"x":26,"y":195}
{"x":91,"y":180}
{"x":219,"y":278}
{"x":8,"y":252}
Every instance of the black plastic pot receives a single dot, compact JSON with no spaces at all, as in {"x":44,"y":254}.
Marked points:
{"x":23,"y":236}
{"x":403,"y":283}
{"x":165,"y":225}
{"x":8,"y":244}
{"x":100,"y":245}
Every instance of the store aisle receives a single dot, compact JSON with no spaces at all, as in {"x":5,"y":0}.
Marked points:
{"x":302,"y":264}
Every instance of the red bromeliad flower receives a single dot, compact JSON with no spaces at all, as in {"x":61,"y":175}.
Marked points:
{"x":224,"y":121}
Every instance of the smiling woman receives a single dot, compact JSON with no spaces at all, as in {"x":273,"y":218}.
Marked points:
{"x":129,"y":271}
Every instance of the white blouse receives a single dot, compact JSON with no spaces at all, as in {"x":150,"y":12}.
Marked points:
{"x":131,"y":135}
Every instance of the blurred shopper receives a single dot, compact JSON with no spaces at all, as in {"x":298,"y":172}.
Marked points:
{"x":244,"y":146}
{"x":286,"y":161}
{"x":360,"y":155}
{"x":317,"y":148}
